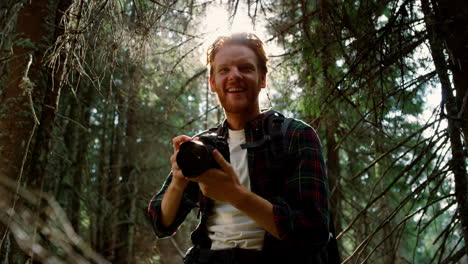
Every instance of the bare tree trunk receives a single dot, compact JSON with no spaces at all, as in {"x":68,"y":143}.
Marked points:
{"x":132,"y":184}
{"x":128,"y":184}
{"x":114,"y":181}
{"x":453,"y":14}
{"x":103,"y":207}
{"x":79,"y":147}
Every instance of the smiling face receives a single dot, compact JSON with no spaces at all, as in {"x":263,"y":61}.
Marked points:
{"x":237,"y":80}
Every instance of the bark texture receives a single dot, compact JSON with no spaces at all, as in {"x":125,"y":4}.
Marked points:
{"x":447,"y":24}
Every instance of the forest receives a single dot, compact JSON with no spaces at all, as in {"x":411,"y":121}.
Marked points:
{"x":92,"y":92}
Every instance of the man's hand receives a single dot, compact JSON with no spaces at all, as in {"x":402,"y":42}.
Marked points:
{"x":178,"y":180}
{"x":171,"y":200}
{"x":221,"y":184}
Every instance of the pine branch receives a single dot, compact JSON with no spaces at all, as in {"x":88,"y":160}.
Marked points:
{"x":408,"y":217}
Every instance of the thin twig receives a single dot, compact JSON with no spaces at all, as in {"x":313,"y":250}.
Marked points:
{"x":404,"y":221}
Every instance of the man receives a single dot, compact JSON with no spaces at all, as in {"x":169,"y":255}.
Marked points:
{"x":262,"y":207}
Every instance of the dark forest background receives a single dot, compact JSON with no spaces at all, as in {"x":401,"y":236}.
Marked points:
{"x":92,"y":92}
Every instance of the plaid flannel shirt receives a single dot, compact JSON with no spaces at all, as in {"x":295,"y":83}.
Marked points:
{"x":295,"y":183}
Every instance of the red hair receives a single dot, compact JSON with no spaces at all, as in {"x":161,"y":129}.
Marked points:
{"x":249,"y":40}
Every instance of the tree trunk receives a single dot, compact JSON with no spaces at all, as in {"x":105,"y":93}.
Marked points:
{"x":41,"y":149}
{"x":452,"y":27}
{"x":389,"y":248}
{"x":80,"y":141}
{"x":113,"y":181}
{"x":103,"y":208}
{"x":452,"y":15}
{"x":330,"y":118}
{"x":128,"y":184}
{"x":22,"y":99}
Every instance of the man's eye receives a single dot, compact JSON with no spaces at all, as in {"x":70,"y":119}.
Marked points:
{"x":246,"y":69}
{"x":223,"y":70}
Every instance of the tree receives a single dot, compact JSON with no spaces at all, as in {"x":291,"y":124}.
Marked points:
{"x":358,"y":72}
{"x":446,"y":15}
{"x":114,"y":81}
{"x":25,"y":121}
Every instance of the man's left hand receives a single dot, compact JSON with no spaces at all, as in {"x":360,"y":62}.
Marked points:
{"x":220,"y":184}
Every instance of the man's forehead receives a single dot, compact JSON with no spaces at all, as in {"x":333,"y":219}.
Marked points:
{"x":235,"y":53}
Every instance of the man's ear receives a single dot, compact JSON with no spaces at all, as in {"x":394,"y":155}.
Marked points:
{"x":212,"y":84}
{"x":263,"y":80}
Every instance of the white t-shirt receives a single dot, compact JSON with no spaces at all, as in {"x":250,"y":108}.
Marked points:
{"x":227,"y":226}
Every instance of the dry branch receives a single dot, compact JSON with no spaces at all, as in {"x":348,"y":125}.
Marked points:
{"x":41,"y":228}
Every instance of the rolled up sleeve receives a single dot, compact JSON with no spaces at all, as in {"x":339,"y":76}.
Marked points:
{"x":302,"y":213}
{"x":188,"y":202}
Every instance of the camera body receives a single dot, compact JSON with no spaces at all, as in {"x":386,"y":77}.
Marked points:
{"x":195,"y":157}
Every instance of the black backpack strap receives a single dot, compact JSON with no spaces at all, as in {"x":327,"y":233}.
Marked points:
{"x":268,"y":116}
{"x":284,"y":129}
{"x":277,"y":132}
{"x":275,"y":127}
{"x":256,"y":144}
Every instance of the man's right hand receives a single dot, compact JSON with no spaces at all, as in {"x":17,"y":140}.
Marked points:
{"x":178,"y":180}
{"x":174,"y":192}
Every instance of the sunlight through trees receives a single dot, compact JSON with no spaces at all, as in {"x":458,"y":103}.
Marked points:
{"x":92,"y":92}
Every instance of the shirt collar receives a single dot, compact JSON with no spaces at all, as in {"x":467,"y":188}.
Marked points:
{"x":254,"y":123}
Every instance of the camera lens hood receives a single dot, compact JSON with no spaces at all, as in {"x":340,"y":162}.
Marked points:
{"x":193,"y":158}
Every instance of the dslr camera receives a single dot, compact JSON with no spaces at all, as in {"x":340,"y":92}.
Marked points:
{"x":194,"y":157}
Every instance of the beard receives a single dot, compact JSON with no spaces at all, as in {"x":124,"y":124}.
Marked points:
{"x":244,"y":103}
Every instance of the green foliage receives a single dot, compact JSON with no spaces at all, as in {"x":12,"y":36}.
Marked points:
{"x":363,"y":72}
{"x":357,"y":71}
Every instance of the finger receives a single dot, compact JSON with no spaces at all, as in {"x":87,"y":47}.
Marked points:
{"x":177,"y":173}
{"x":173,"y":158}
{"x":192,"y":179}
{"x":226,"y":166}
{"x":179,"y":140}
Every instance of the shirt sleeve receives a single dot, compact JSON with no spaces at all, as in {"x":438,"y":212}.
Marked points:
{"x":188,"y":202}
{"x":302,"y":214}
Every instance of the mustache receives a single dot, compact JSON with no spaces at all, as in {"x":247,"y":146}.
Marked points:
{"x":239,"y":84}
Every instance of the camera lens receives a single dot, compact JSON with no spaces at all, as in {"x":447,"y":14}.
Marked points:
{"x":193,"y":158}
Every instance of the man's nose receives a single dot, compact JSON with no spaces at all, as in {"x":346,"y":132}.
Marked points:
{"x":234,"y":73}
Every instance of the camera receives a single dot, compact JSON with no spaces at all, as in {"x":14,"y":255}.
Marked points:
{"x":194,"y":157}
